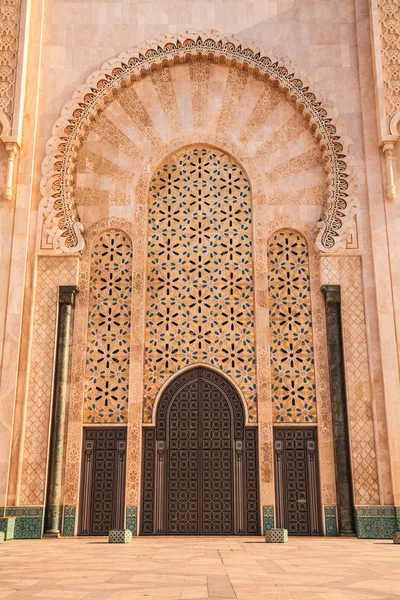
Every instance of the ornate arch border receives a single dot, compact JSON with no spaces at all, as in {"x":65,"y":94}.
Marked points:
{"x":57,"y":186}
{"x":198,"y":365}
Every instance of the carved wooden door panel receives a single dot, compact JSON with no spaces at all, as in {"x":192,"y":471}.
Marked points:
{"x":216,"y":462}
{"x":296,"y":480}
{"x":184,"y":462}
{"x":200,"y":462}
{"x":103,"y":481}
{"x":199,"y":468}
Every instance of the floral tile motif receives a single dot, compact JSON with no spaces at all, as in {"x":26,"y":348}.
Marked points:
{"x":375,"y":522}
{"x":108,"y":347}
{"x":131,"y":519}
{"x":29,"y":521}
{"x":330,"y":521}
{"x":69,"y":521}
{"x":200,"y":288}
{"x":268,"y":518}
{"x":292,"y":352}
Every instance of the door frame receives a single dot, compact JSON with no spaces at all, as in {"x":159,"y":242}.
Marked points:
{"x":86,"y":482}
{"x":155,"y":448}
{"x":314,"y":492}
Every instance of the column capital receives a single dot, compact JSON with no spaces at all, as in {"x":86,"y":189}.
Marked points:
{"x":67,"y":293}
{"x":331,"y":293}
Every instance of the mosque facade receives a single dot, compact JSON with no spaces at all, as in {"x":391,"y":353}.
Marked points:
{"x":200,"y":306}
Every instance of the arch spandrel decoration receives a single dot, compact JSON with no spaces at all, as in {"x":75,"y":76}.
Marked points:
{"x":61,"y":229}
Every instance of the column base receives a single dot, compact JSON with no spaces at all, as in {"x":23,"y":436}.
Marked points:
{"x":52,"y":534}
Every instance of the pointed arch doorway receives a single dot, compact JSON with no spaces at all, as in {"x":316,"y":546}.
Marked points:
{"x":200,"y":461}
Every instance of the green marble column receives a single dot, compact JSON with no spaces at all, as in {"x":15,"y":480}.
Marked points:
{"x":339,"y":410}
{"x":66,"y":299}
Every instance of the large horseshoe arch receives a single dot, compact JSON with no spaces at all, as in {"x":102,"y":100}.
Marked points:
{"x":200,"y":461}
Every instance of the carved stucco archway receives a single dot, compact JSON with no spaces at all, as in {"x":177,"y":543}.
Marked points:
{"x":60,"y":227}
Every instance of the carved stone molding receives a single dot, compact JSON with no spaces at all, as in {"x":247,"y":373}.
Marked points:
{"x":9,"y":32}
{"x":58,"y":209}
{"x":389,"y":20}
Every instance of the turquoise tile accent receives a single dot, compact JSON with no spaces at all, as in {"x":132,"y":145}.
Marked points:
{"x":376,"y":522}
{"x":397,"y":514}
{"x":131,"y":519}
{"x":330,"y":521}
{"x":29,"y":522}
{"x":69,"y":513}
{"x":268,"y":518}
{"x":7,"y":526}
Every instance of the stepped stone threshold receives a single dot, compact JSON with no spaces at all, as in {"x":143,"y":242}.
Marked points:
{"x":172,"y":568}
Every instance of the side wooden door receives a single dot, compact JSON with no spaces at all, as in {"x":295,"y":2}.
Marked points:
{"x":103,"y":480}
{"x":296,"y":480}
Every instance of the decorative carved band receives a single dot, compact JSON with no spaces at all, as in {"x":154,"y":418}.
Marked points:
{"x":9,"y":31}
{"x":389,"y":19}
{"x":58,"y":206}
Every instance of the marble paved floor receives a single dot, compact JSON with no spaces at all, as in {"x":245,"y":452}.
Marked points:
{"x":197,"y":568}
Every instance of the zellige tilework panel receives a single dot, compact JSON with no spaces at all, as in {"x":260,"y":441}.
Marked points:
{"x":200,"y":288}
{"x":108,"y":345}
{"x":292,"y":352}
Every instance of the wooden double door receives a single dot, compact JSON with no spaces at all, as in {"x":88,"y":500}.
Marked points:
{"x":200,"y":461}
{"x":103,"y":480}
{"x":296,"y":481}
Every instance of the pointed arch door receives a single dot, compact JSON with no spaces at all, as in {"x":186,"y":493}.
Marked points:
{"x":200,"y":461}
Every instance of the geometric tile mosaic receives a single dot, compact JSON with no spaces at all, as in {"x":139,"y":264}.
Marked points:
{"x":375,"y":522}
{"x":108,"y":346}
{"x":292,"y":352}
{"x":69,"y":521}
{"x":276,"y":536}
{"x":330,"y":521}
{"x":200,"y":289}
{"x":131,"y":519}
{"x":268,"y":518}
{"x":29,"y":521}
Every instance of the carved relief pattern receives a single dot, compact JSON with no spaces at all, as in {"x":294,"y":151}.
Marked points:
{"x":108,"y":346}
{"x":94,"y":197}
{"x":107,"y":130}
{"x":91,"y":162}
{"x":162,"y":82}
{"x":200,"y":295}
{"x":308,"y":160}
{"x":199,"y":79}
{"x":346,"y":272}
{"x":9,"y":30}
{"x":62,"y":225}
{"x":235,"y":85}
{"x":51,"y":273}
{"x":389,"y":17}
{"x":292,"y":353}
